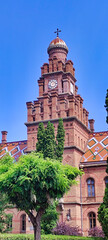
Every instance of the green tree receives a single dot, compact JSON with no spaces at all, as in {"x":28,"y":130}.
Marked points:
{"x":60,"y":140}
{"x":33,"y":182}
{"x":40,"y":138}
{"x":103,"y":209}
{"x":49,"y":141}
{"x":5,"y":219}
{"x":49,"y":218}
{"x":46,"y":140}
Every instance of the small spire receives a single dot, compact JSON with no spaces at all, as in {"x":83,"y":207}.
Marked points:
{"x":57,"y":32}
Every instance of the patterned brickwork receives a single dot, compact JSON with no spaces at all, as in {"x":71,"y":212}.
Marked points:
{"x":15,"y":149}
{"x":97,"y":147}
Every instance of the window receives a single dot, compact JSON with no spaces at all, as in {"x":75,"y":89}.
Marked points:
{"x":71,"y":87}
{"x":41,"y":107}
{"x":106,"y":181}
{"x":92,"y":220}
{"x":67,"y":139}
{"x":90,"y":187}
{"x":23,"y":223}
{"x":62,"y":87}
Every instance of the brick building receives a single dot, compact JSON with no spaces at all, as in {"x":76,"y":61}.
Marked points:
{"x":83,"y":148}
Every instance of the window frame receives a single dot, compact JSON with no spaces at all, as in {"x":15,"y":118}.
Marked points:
{"x":23,"y":223}
{"x":91,"y":218}
{"x":90,"y":187}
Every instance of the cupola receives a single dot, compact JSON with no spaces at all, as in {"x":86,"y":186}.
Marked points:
{"x":58,"y":48}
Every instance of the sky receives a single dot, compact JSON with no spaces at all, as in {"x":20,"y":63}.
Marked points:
{"x":26,"y":29}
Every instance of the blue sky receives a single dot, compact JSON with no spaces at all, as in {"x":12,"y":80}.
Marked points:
{"x":26,"y":29}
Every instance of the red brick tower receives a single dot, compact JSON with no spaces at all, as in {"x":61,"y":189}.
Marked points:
{"x":58,"y":98}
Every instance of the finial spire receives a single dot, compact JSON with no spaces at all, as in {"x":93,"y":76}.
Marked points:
{"x":57,"y":32}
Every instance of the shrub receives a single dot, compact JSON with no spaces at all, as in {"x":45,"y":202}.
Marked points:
{"x":63,"y":229}
{"x":49,"y":219}
{"x":96,"y":232}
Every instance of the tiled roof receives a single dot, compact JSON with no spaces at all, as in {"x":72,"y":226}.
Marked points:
{"x":15,"y":149}
{"x":97,"y":147}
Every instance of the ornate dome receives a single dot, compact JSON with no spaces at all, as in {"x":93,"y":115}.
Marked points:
{"x":57,"y":43}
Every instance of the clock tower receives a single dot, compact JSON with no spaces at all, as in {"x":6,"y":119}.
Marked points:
{"x":58,"y":98}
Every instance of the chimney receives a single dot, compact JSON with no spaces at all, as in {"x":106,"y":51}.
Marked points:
{"x":4,"y":136}
{"x":91,"y":122}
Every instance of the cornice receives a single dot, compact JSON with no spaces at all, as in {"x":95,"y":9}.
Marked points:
{"x":92,"y":164}
{"x":58,"y":72}
{"x":78,"y":203}
{"x":66,"y":119}
{"x":74,"y":147}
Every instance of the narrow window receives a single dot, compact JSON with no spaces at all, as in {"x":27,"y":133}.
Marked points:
{"x":92,"y":220}
{"x":106,"y":181}
{"x":90,"y":187}
{"x":67,"y":139}
{"x":62,"y":87}
{"x":43,"y":87}
{"x":50,"y":110}
{"x":23,"y":223}
{"x":41,"y":107}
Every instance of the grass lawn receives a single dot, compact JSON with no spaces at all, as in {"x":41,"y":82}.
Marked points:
{"x":44,"y":237}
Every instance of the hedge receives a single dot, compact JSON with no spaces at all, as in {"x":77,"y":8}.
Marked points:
{"x":44,"y":237}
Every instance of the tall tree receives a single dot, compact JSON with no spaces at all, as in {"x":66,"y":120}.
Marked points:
{"x":60,"y":140}
{"x":103,"y":209}
{"x":5,"y":219}
{"x":33,"y":182}
{"x":49,"y":141}
{"x":40,"y":138}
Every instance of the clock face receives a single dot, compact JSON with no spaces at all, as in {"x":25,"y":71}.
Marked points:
{"x":52,"y":84}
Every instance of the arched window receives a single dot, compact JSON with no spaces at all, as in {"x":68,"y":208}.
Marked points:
{"x":23,"y":223}
{"x":90,"y":187}
{"x":106,"y":181}
{"x":92,"y":220}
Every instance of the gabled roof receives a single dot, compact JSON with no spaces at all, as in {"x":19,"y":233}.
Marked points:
{"x":15,"y":149}
{"x":97,"y":148}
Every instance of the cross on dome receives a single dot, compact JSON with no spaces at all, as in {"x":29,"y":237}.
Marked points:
{"x":57,"y":32}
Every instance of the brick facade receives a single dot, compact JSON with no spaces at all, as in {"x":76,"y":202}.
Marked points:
{"x":58,"y":98}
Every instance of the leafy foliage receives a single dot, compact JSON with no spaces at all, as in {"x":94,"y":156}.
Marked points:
{"x":103,"y":209}
{"x":49,"y":218}
{"x":32,"y":182}
{"x":63,"y":229}
{"x":40,"y":138}
{"x":46,"y":141}
{"x":5,"y":219}
{"x":96,"y":232}
{"x":49,"y":141}
{"x":60,"y":140}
